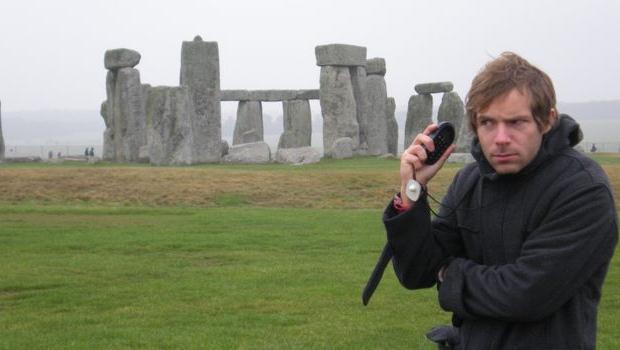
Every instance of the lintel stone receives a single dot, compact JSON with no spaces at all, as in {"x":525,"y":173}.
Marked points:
{"x":121,"y":58}
{"x":340,"y":55}
{"x":268,"y":95}
{"x":432,"y":88}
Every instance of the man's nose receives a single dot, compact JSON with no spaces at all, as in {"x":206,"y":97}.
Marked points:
{"x":502,"y":135}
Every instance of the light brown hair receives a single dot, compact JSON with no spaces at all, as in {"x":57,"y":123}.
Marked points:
{"x":501,"y":75}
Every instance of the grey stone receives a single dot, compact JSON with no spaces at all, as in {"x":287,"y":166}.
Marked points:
{"x":452,"y":110}
{"x":431,"y":88}
{"x":362,"y":105}
{"x":375,"y":66}
{"x":341,"y":148}
{"x":128,"y":114}
{"x":200,"y":71}
{"x":225,"y":148}
{"x":249,"y":123}
{"x":250,"y":153}
{"x":108,"y":142}
{"x":1,"y":137}
{"x":121,"y":58}
{"x":461,"y":158}
{"x":169,"y":126}
{"x":301,"y":155}
{"x":297,"y":121}
{"x":340,"y":55}
{"x":419,"y":116}
{"x":392,"y":127}
{"x":269,"y":95}
{"x":464,"y":138}
{"x":376,"y":135}
{"x":338,"y":106}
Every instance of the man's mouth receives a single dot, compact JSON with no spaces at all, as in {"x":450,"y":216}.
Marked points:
{"x":504,"y":157}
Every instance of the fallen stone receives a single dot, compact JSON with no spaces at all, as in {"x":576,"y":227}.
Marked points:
{"x":341,"y":149}
{"x":301,"y":155}
{"x":461,"y":158}
{"x":121,"y":58}
{"x":432,"y":88}
{"x":375,"y":66}
{"x":249,"y":153}
{"x":340,"y":55}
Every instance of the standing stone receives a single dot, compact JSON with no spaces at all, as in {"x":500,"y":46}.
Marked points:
{"x":419,"y":116}
{"x":128,"y":114}
{"x":452,"y":110}
{"x":200,"y":71}
{"x":338,"y":107}
{"x":249,"y":123}
{"x":376,"y":95}
{"x":169,"y":128}
{"x":297,"y":124}
{"x":358,"y":80}
{"x":392,"y":127}
{"x":464,"y":137}
{"x":108,"y":142}
{"x":1,"y":137}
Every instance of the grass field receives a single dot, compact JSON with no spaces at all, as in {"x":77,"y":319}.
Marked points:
{"x":215,"y":256}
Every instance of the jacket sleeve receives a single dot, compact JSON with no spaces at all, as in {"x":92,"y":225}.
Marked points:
{"x":575,"y":241}
{"x":418,"y":250}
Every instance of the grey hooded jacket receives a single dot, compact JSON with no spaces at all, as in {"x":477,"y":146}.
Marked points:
{"x":526,"y":254}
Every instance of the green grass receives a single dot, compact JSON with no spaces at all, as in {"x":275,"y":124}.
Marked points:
{"x":229,"y":276}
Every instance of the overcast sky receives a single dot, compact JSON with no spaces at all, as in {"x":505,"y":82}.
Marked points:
{"x":51,"y":52}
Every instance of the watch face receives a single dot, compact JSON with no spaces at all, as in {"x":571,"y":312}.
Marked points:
{"x":413,"y":190}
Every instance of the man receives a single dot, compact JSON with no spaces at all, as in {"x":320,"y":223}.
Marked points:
{"x":523,"y":238}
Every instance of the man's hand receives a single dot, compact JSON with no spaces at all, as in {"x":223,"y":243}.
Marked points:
{"x":412,"y":161}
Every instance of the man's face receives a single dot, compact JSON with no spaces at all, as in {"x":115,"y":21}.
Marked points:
{"x":508,"y":133}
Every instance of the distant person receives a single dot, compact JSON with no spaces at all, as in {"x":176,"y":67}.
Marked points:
{"x":50,"y":155}
{"x":59,"y":155}
{"x":92,"y":152}
{"x":86,"y":152}
{"x":524,"y":236}
{"x":593,"y":148}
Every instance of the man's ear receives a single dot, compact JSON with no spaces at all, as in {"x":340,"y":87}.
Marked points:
{"x":553,"y":117}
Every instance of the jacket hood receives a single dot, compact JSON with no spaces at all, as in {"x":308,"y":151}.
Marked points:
{"x":565,"y":133}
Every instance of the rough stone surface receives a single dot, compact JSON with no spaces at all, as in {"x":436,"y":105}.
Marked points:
{"x":301,"y":155}
{"x":249,"y":123}
{"x":375,"y":66}
{"x":121,"y":58}
{"x":461,"y":158}
{"x":342,"y":148}
{"x":432,"y":88}
{"x":269,"y":95}
{"x":362,"y":105}
{"x":464,"y":138}
{"x":1,"y":137}
{"x":338,"y":106}
{"x":225,"y":147}
{"x":252,"y":153}
{"x":108,"y":143}
{"x":340,"y":55}
{"x":392,"y":127}
{"x":376,"y":135}
{"x":419,"y":115}
{"x":452,"y":110}
{"x":128,"y":114}
{"x":169,"y":128}
{"x":200,"y":71}
{"x":297,"y":131}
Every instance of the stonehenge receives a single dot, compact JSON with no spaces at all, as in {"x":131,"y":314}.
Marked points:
{"x":420,"y":110}
{"x":182,"y":125}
